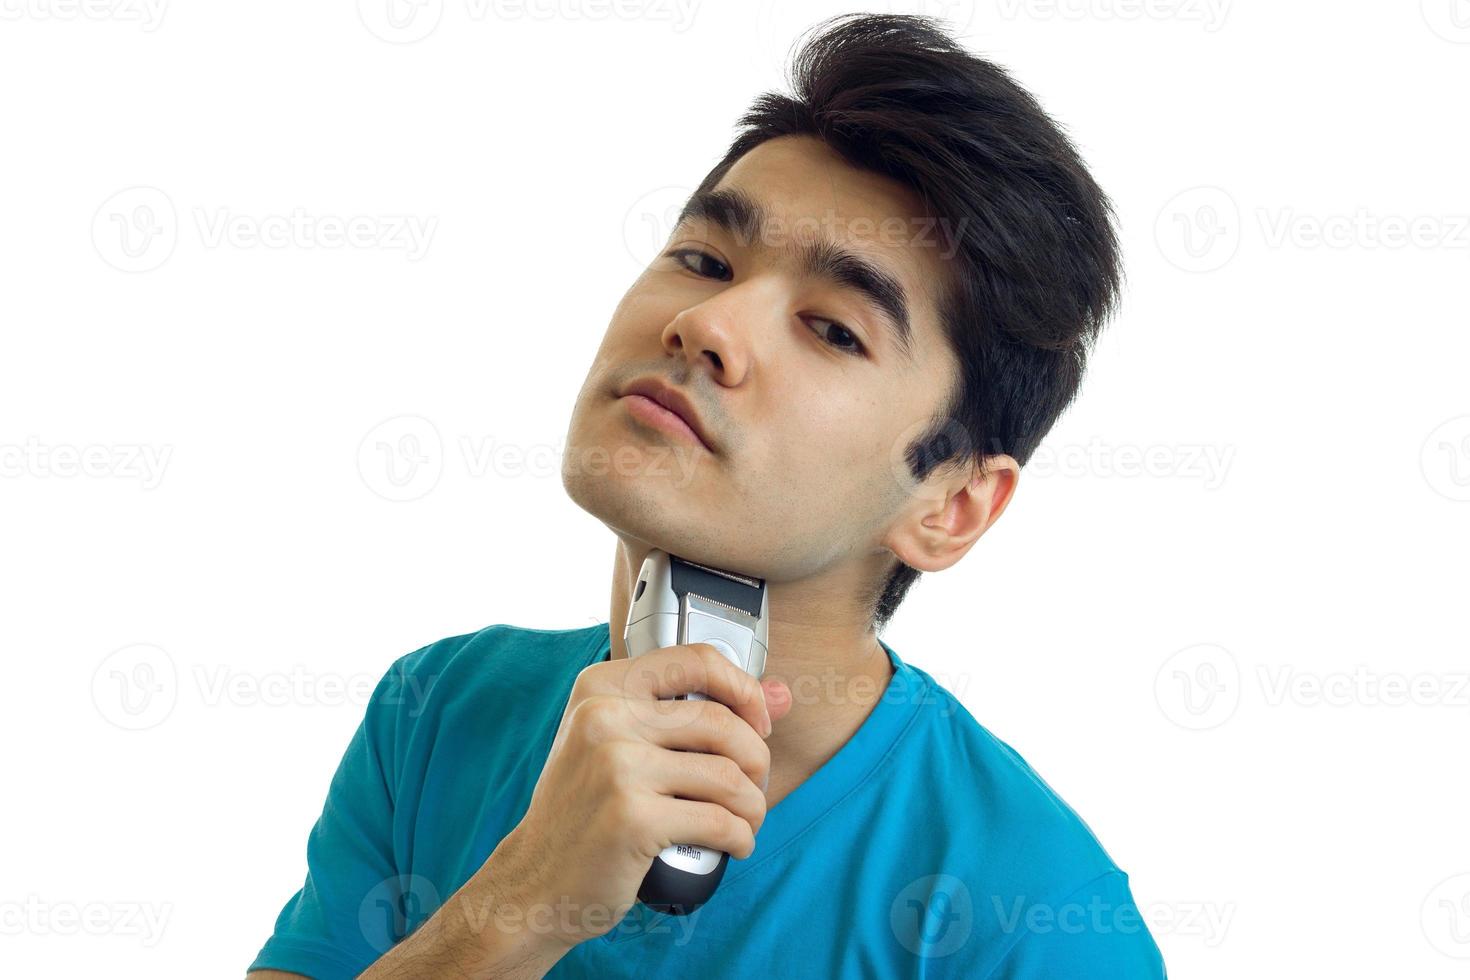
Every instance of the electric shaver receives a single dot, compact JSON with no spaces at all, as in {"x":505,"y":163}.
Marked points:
{"x":677,"y":602}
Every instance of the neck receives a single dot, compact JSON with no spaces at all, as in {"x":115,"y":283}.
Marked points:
{"x":834,"y":667}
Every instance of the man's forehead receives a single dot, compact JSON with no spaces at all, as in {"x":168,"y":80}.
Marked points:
{"x":798,"y":189}
{"x":804,"y":171}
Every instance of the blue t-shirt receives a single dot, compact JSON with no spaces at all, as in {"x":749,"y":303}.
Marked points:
{"x":925,"y":847}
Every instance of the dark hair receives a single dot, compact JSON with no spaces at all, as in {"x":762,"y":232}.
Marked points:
{"x":1035,"y":268}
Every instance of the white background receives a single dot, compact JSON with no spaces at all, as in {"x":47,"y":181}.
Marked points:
{"x":1250,"y":528}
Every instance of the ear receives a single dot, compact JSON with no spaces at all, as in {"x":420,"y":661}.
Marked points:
{"x":950,"y":511}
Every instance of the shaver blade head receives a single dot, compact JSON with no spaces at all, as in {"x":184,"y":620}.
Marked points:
{"x":677,"y":601}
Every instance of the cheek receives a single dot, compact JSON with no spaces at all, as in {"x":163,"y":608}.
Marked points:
{"x":824,"y":461}
{"x":852,"y":437}
{"x":644,"y":309}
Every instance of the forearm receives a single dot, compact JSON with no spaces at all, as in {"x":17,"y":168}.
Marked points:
{"x":473,"y":936}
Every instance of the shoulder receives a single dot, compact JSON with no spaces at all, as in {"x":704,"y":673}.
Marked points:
{"x":998,"y":797}
{"x":1038,"y":884}
{"x":481,"y":682}
{"x":502,"y":653}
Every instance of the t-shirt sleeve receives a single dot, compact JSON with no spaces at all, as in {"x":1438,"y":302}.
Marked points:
{"x":1096,"y":933}
{"x":349,"y":911}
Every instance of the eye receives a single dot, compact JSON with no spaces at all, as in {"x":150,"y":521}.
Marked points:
{"x":680,"y":254}
{"x":851,"y":345}
{"x":857,"y":349}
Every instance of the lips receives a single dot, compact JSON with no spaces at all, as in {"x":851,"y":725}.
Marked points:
{"x":675,"y":401}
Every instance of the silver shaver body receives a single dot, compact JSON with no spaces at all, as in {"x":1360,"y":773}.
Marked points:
{"x":678,"y":602}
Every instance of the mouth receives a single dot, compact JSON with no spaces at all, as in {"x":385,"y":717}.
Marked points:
{"x":666,"y":409}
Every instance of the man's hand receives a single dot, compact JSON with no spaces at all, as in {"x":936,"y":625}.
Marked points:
{"x":629,"y":774}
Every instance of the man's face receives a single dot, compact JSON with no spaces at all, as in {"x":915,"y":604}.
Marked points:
{"x":798,"y":379}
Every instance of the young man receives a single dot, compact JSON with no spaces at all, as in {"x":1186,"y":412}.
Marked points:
{"x":869,"y":315}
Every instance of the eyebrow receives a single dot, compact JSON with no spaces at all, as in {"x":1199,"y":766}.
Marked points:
{"x":742,"y":217}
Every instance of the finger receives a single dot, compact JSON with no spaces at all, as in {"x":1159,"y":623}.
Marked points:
{"x":697,"y":667}
{"x":778,"y":699}
{"x":705,"y":824}
{"x":704,"y":727}
{"x":711,"y":778}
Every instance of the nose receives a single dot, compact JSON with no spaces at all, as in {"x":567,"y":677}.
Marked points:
{"x":706,"y":333}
